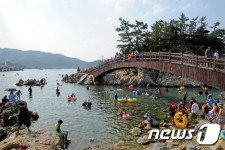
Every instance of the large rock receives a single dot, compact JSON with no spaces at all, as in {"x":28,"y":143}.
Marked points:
{"x":11,"y":108}
{"x":190,"y":147}
{"x":136,"y":131}
{"x":143,"y":140}
{"x":34,"y":115}
{"x":36,"y":140}
{"x":157,"y":146}
{"x":3,"y":133}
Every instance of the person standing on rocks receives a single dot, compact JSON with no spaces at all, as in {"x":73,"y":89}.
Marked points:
{"x":194,"y":111}
{"x":12,"y":97}
{"x":23,"y":115}
{"x":172,"y":111}
{"x":221,"y":117}
{"x":18,"y":93}
{"x":1,"y":120}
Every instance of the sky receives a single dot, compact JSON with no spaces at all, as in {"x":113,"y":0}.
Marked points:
{"x":85,"y":29}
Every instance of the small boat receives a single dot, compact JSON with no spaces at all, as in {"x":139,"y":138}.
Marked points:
{"x":121,"y":100}
{"x":132,"y":100}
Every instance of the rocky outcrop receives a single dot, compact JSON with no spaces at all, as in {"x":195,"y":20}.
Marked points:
{"x":136,"y":131}
{"x":138,"y":77}
{"x":11,"y":108}
{"x":9,"y":68}
{"x":34,"y":140}
{"x":3,"y":133}
{"x":31,"y":82}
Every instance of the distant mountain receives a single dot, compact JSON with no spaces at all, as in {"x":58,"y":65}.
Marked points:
{"x":37,"y":59}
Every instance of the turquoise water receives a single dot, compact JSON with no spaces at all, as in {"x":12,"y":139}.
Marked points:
{"x":100,"y":122}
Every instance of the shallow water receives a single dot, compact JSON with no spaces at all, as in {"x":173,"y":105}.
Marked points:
{"x":100,"y":122}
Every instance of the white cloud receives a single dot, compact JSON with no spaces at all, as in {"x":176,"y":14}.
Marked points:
{"x":145,"y":2}
{"x":186,"y":6}
{"x":122,"y":5}
{"x":119,"y":5}
{"x":157,"y":9}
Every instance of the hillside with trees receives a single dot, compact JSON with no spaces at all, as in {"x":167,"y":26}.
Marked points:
{"x":183,"y":35}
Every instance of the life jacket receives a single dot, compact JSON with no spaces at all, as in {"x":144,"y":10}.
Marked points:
{"x":69,"y":98}
{"x":173,"y":107}
{"x":203,"y":108}
{"x":215,"y":108}
{"x":190,"y":103}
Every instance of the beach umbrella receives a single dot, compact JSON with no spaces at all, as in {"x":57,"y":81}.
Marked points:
{"x":10,"y":89}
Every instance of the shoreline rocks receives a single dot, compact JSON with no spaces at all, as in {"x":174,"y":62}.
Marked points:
{"x":8,"y":110}
{"x":137,"y":77}
{"x":33,"y":140}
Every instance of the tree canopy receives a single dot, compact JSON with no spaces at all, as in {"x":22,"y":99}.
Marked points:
{"x":182,"y":35}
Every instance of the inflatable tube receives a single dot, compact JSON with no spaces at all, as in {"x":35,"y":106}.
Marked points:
{"x":134,"y":92}
{"x":74,"y":99}
{"x":129,"y":57}
{"x":132,"y":100}
{"x":121,"y":100}
{"x":180,"y":120}
{"x":126,"y":116}
{"x":182,"y":88}
{"x":222,"y":134}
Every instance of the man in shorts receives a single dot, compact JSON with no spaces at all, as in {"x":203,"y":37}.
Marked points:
{"x":194,"y":111}
{"x":172,"y":111}
{"x":23,"y":115}
{"x":59,"y":132}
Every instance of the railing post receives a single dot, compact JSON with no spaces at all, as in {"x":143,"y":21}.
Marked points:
{"x":214,"y":63}
{"x":169,"y":57}
{"x":142,"y":56}
{"x":159,"y":56}
{"x":196,"y":61}
{"x":182,"y":58}
{"x":124,"y":57}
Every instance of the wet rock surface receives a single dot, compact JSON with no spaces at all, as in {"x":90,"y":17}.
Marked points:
{"x":34,"y":140}
{"x":138,"y":77}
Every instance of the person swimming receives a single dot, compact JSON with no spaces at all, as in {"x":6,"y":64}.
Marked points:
{"x":125,"y":115}
{"x":84,"y":103}
{"x":89,"y":103}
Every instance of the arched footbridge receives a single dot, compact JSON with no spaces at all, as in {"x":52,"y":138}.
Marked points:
{"x":207,"y":71}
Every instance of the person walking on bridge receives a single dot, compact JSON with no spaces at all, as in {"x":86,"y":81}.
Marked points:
{"x":208,"y":56}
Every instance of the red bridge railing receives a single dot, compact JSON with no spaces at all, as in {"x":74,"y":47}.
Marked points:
{"x":178,"y":58}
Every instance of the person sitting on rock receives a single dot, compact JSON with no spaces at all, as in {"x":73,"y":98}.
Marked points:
{"x":4,"y":101}
{"x":1,"y":120}
{"x":24,"y":118}
{"x":59,"y":132}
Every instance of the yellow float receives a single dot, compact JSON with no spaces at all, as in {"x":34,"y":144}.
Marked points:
{"x":74,"y":98}
{"x":132,"y":100}
{"x":180,"y":120}
{"x":121,"y":100}
{"x":182,"y":88}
